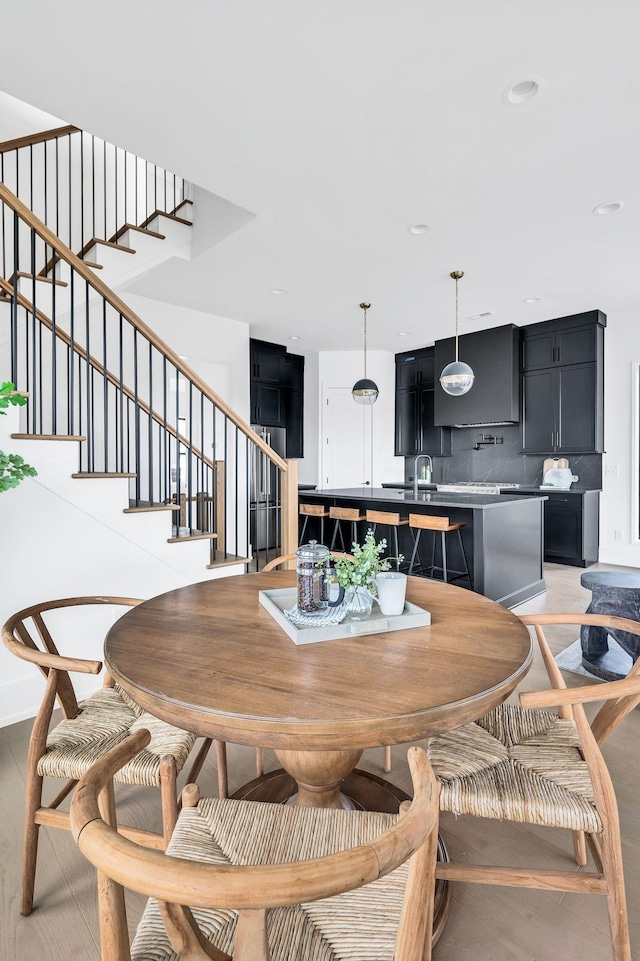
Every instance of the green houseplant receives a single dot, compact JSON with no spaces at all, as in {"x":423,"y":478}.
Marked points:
{"x":13,"y":469}
{"x":358,"y":576}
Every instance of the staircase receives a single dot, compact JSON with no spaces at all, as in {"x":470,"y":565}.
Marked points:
{"x":79,"y":219}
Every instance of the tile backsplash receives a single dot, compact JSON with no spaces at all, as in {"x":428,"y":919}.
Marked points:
{"x":503,"y":462}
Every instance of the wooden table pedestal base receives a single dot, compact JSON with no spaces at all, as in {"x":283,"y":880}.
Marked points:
{"x":367,"y":792}
{"x":319,"y":775}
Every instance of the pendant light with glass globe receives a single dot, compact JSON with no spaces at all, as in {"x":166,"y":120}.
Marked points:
{"x":457,"y":378}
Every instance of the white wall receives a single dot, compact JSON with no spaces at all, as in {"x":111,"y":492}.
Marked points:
{"x":342,"y":369}
{"x":618,"y":512}
{"x":308,"y":469}
{"x":216,"y":348}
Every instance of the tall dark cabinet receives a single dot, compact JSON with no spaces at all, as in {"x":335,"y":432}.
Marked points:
{"x":415,"y":431}
{"x":277,"y":391}
{"x":563,"y":385}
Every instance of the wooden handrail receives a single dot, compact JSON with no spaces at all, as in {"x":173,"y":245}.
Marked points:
{"x":35,"y":138}
{"x":136,"y":322}
{"x":99,"y":368}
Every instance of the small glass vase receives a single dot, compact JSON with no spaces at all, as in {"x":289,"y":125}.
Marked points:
{"x":358,"y":603}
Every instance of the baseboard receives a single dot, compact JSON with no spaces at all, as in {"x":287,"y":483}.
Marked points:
{"x":626,"y":555}
{"x":21,"y":697}
{"x":524,"y":594}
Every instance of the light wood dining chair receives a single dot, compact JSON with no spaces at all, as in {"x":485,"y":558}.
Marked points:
{"x":88,"y":729}
{"x":536,"y":766}
{"x":265,"y":882}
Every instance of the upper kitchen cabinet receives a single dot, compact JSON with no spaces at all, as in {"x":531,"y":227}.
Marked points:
{"x":265,"y":361}
{"x":494,"y":398}
{"x":563,"y":400}
{"x":415,"y":368}
{"x":561,"y":342}
{"x":277,"y":391}
{"x":415,"y":431}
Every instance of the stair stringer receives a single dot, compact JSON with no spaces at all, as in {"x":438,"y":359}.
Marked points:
{"x":105,"y":499}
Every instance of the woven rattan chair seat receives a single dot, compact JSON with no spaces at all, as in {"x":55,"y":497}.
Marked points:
{"x":360,"y":925}
{"x":105,"y":719}
{"x":516,"y":765}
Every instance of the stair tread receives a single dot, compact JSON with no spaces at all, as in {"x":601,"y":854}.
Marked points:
{"x":105,"y":243}
{"x":163,"y":213}
{"x":91,"y":475}
{"x":228,"y":561}
{"x":198,"y":536}
{"x":153,"y":507}
{"x":48,"y":437}
{"x":43,"y":280}
{"x":141,"y":230}
{"x":181,"y":204}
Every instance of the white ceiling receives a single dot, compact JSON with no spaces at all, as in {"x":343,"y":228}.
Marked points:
{"x":340,"y":123}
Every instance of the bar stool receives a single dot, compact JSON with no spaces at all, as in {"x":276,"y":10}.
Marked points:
{"x":313,"y":510}
{"x":339,"y":514}
{"x":391,"y":520}
{"x":431,"y":522}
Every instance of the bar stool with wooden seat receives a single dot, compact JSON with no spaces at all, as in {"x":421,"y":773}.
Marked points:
{"x":393,"y":521}
{"x":431,"y":522}
{"x":313,"y":510}
{"x":339,"y":514}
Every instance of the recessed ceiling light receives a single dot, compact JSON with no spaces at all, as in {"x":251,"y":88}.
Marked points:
{"x":419,"y":229}
{"x":293,"y":337}
{"x":520,"y":92}
{"x":278,"y":291}
{"x":612,"y":207}
{"x":403,"y":333}
{"x":482,"y":316}
{"x":531,"y":300}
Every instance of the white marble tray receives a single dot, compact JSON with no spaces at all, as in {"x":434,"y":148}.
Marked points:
{"x":276,"y":602}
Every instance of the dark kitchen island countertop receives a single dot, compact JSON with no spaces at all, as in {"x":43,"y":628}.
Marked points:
{"x":503,"y":536}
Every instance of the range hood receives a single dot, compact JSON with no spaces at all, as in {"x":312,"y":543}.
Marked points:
{"x":494,"y":398}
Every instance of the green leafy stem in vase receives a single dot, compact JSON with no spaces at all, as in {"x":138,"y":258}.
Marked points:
{"x":366,"y":564}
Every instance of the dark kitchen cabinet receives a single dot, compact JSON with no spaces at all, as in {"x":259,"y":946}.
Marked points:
{"x":563,"y":402}
{"x":266,"y":360}
{"x":277,"y":392}
{"x":266,"y":405}
{"x":569,"y":340}
{"x":415,"y":369}
{"x":293,"y":398}
{"x":415,"y":431}
{"x":571,"y":526}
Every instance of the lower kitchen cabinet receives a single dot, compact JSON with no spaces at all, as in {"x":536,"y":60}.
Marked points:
{"x":571,"y":523}
{"x":571,"y":526}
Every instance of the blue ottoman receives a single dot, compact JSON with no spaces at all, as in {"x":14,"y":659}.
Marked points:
{"x":610,"y":654}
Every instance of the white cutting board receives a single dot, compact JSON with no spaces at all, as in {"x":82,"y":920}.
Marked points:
{"x":552,"y":462}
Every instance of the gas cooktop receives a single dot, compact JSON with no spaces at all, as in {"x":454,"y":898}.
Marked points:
{"x":476,"y":487}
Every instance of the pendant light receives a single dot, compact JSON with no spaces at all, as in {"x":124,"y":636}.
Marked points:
{"x":365,"y":391}
{"x":457,"y":378}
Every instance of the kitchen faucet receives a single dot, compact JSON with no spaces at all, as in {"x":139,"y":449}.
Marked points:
{"x":415,"y":471}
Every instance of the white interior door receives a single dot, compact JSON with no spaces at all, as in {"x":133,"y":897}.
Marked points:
{"x":346,"y":440}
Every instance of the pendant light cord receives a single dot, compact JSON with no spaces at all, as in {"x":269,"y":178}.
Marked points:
{"x":365,"y":342}
{"x":456,"y":320}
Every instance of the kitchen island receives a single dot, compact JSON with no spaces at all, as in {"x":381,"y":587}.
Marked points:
{"x":503,"y":537}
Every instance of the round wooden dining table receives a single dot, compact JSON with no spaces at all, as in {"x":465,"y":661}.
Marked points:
{"x":209,"y":658}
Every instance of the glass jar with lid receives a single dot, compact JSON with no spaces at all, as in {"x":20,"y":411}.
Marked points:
{"x":312,"y":562}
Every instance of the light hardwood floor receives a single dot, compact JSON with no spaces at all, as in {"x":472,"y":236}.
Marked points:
{"x":485,"y":924}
